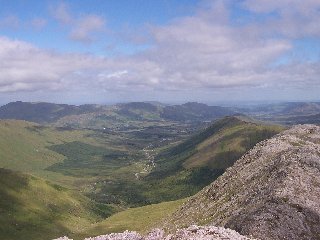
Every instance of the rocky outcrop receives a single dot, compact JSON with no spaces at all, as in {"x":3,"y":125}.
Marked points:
{"x":190,"y":233}
{"x":205,"y":233}
{"x":272,"y":192}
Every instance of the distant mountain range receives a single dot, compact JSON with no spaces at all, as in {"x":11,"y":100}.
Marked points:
{"x":285,"y":113}
{"x":99,"y":116}
{"x":72,"y":115}
{"x":42,"y":112}
{"x":193,"y":111}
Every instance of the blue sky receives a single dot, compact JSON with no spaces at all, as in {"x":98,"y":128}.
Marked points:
{"x":164,"y":50}
{"x":119,"y":16}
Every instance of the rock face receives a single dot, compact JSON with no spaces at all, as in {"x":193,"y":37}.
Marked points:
{"x":272,"y":192}
{"x":190,"y":233}
{"x":206,"y":233}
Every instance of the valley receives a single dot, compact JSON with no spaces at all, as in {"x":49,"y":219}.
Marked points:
{"x":123,"y":160}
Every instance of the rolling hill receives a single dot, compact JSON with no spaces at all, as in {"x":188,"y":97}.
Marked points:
{"x":33,"y":208}
{"x":289,"y":113}
{"x":308,"y":119}
{"x":193,"y":111}
{"x":33,"y":148}
{"x":118,"y":116}
{"x":42,"y":112}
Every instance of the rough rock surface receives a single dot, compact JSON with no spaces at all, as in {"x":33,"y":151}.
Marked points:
{"x":190,"y":233}
{"x":272,"y":192}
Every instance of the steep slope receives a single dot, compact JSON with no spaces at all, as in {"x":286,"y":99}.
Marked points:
{"x":217,"y":146}
{"x":32,"y":208}
{"x":272,"y":192}
{"x":186,"y":168}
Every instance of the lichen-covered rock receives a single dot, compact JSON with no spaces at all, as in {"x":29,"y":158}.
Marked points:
{"x":206,"y":233}
{"x":63,"y":238}
{"x":272,"y":192}
{"x":126,"y":235}
{"x":191,"y":233}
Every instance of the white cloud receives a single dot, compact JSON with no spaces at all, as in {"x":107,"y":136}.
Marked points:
{"x":115,"y":75}
{"x":82,"y":28}
{"x":204,"y":51}
{"x":85,"y":27}
{"x":24,"y":67}
{"x":293,"y":18}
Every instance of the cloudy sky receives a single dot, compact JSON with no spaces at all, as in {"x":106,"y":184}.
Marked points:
{"x":103,"y":51}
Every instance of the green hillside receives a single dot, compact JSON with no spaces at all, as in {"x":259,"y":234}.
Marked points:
{"x":113,"y":168}
{"x":32,"y":148}
{"x":216,"y":147}
{"x":42,"y":112}
{"x":32,"y":208}
{"x":140,"y":219}
{"x":184,"y":169}
{"x":100,"y":164}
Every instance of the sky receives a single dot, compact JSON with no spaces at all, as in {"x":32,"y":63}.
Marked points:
{"x":108,"y":51}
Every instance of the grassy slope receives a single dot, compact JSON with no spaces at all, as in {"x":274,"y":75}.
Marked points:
{"x":24,"y":147}
{"x":31,"y":148}
{"x":139,"y":219}
{"x":186,"y":168}
{"x":32,"y":208}
{"x":205,"y":149}
{"x":221,"y":149}
{"x":101,"y":165}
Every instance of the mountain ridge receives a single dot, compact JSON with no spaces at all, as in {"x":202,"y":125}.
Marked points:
{"x":272,"y":192}
{"x":44,"y":113}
